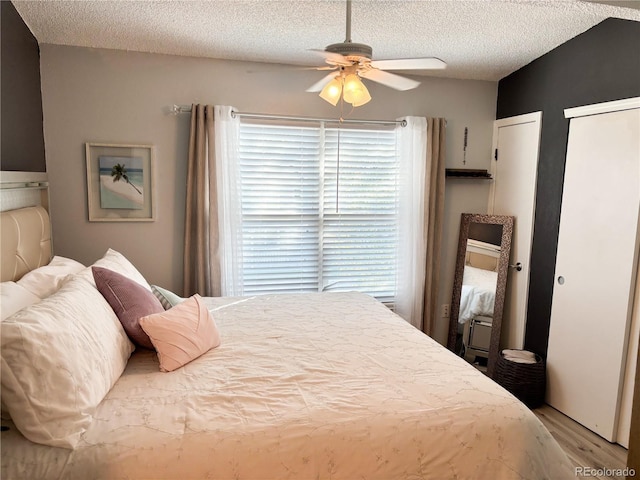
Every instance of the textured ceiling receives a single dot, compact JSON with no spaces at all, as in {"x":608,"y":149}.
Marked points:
{"x":479,"y":39}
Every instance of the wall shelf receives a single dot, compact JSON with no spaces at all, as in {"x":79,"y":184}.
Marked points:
{"x":469,"y":173}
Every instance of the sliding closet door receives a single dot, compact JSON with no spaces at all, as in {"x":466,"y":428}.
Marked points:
{"x":595,"y":269}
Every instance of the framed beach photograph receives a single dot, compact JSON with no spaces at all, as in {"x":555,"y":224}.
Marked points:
{"x":120,"y":182}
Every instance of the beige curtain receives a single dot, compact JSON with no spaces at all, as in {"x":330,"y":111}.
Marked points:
{"x":201,"y":242}
{"x":434,"y":211}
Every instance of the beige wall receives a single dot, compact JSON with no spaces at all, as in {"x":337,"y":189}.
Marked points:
{"x":93,"y":95}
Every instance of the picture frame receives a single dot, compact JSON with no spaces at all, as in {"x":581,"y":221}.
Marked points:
{"x":120,"y":182}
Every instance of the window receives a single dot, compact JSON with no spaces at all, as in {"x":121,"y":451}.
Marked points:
{"x":318,"y":209}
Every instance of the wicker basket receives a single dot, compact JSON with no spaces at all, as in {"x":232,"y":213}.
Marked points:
{"x":526,"y":381}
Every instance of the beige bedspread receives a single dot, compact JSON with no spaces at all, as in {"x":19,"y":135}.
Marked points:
{"x":328,"y":385}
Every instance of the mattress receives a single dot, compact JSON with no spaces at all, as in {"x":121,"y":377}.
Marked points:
{"x":330,"y":385}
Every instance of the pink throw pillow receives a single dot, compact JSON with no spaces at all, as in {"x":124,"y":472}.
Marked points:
{"x":182,"y":333}
{"x":129,"y":300}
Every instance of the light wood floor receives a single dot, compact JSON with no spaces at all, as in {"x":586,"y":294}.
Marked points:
{"x":583,"y":447}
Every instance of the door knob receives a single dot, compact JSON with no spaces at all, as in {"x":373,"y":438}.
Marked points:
{"x":517,"y":266}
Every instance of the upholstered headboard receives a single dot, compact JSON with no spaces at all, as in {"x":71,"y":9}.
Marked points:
{"x":25,"y":229}
{"x":482,"y":255}
{"x":25,"y":241}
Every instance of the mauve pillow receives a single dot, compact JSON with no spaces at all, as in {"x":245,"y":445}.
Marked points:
{"x":182,"y":333}
{"x":129,"y":300}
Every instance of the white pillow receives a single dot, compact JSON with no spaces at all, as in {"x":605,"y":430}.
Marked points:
{"x":14,"y":297}
{"x":46,"y":280}
{"x":59,"y":358}
{"x":117,"y":262}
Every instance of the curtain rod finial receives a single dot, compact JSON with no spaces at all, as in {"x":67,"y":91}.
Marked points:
{"x":177,"y":109}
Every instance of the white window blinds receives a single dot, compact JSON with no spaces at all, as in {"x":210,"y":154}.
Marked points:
{"x":318,"y":209}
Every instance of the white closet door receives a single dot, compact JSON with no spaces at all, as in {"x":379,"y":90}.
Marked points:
{"x":513,"y":192}
{"x":595,"y":269}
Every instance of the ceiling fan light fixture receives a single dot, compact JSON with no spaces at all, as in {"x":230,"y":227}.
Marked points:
{"x":354,"y":60}
{"x":354,"y":91}
{"x":363,"y":97}
{"x":332,"y":91}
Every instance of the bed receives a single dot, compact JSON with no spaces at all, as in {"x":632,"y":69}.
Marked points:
{"x":478,"y":294}
{"x":326,"y":385}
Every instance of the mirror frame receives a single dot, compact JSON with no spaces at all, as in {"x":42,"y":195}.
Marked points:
{"x":503,"y":267}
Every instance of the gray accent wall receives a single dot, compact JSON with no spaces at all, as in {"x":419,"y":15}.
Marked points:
{"x":22,"y":139}
{"x":600,"y":65}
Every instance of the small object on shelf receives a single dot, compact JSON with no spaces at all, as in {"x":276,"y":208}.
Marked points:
{"x":464,"y":150}
{"x":467,"y":173}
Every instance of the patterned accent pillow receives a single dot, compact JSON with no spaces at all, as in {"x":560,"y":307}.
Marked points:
{"x":182,"y":333}
{"x":166,"y":297}
{"x":129,"y":301}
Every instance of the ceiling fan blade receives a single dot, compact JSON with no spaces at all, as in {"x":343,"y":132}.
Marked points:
{"x":318,"y":86}
{"x":325,"y":68}
{"x":431,"y":63}
{"x":331,"y":57}
{"x":389,"y":79}
{"x":271,"y":68}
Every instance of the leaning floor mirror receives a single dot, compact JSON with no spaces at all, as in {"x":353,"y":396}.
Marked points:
{"x":479,"y":286}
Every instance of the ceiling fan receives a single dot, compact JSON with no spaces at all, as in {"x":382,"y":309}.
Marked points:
{"x":349,"y":61}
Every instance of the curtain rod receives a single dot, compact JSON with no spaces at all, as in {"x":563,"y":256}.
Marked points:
{"x":176,"y":109}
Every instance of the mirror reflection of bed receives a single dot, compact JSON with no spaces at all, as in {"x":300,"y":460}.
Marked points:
{"x":479,"y":288}
{"x":478,"y":297}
